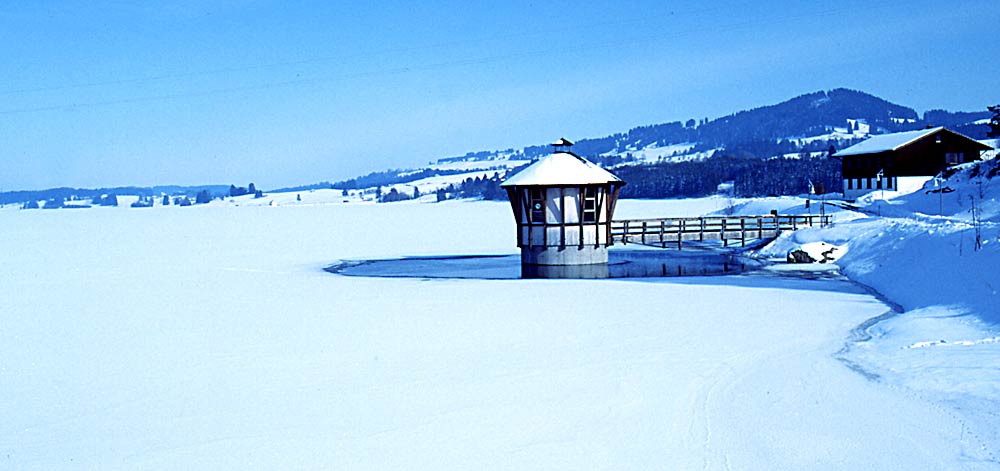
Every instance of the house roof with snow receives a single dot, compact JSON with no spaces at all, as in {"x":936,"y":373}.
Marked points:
{"x":892,"y":142}
{"x":561,"y":169}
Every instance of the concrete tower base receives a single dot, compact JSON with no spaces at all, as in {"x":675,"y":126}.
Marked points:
{"x":569,"y":262}
{"x":596,"y":270}
{"x":588,"y":255}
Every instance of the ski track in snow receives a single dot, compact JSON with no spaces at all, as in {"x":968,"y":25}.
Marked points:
{"x":863,"y":333}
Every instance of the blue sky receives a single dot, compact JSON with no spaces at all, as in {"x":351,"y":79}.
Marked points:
{"x":109,"y":93}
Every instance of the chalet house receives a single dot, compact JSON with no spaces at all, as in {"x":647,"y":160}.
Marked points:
{"x":910,"y":158}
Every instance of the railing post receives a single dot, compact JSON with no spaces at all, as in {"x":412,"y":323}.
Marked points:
{"x":644,"y":232}
{"x":680,"y":234}
{"x":725,"y":241}
{"x":663,"y":228}
{"x":701,"y":230}
{"x":743,"y":232}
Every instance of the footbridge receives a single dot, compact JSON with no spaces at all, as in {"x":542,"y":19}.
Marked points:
{"x":673,"y":232}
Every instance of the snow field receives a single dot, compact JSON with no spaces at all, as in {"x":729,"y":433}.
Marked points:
{"x":210,"y":338}
{"x":942,"y":347}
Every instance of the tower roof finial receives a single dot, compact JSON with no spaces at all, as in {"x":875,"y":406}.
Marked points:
{"x":562,"y":145}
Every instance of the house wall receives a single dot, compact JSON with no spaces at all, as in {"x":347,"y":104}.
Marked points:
{"x":854,"y":188}
{"x":926,"y":157}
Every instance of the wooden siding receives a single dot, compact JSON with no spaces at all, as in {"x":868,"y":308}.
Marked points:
{"x":923,"y":157}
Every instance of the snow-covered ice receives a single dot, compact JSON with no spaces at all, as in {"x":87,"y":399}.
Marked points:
{"x":209,"y":337}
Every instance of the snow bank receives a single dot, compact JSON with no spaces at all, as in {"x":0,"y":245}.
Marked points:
{"x":913,"y":263}
{"x":922,"y":255}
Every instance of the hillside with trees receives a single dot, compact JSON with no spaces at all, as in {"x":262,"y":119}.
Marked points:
{"x":769,"y":150}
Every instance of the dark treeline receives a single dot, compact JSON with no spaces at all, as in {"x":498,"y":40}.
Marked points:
{"x":391,"y":177}
{"x":70,"y":194}
{"x":485,"y":187}
{"x":750,"y":177}
{"x":249,"y":190}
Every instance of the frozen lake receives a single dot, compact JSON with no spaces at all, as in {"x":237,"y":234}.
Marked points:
{"x":212,"y":338}
{"x":622,"y":263}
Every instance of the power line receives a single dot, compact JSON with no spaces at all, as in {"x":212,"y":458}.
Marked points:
{"x":402,"y":69}
{"x":337,"y":58}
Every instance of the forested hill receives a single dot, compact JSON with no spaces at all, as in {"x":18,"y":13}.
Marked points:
{"x":660,"y":160}
{"x":809,"y":115}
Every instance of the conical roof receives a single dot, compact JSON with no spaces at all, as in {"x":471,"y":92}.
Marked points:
{"x":561,"y":169}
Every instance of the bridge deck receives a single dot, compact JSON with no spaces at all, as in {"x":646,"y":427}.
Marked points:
{"x":664,"y":232}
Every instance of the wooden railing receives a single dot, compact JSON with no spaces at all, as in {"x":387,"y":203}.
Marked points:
{"x":674,"y":231}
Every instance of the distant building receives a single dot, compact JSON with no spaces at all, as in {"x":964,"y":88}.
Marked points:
{"x":563,"y":206}
{"x":858,"y":126}
{"x":888,"y":161}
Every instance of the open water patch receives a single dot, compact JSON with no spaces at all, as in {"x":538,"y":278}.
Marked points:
{"x":626,"y":263}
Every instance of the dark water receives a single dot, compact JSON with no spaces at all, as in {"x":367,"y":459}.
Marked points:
{"x":623,"y":263}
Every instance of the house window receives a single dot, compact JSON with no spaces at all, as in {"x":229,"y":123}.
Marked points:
{"x":536,"y":199}
{"x":953,"y":158}
{"x":888,"y":182}
{"x":590,"y":205}
{"x":868,"y":183}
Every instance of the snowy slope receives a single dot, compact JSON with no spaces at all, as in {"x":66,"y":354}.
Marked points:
{"x":921,"y":254}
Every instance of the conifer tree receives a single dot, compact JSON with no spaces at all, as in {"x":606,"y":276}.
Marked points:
{"x":994,"y":123}
{"x":202,"y":197}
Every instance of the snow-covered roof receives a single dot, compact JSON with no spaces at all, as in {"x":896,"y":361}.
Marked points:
{"x":886,"y":142}
{"x":891,"y":142}
{"x":561,"y":168}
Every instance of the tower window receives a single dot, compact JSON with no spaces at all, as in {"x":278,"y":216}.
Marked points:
{"x":536,"y":199}
{"x":590,"y":205}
